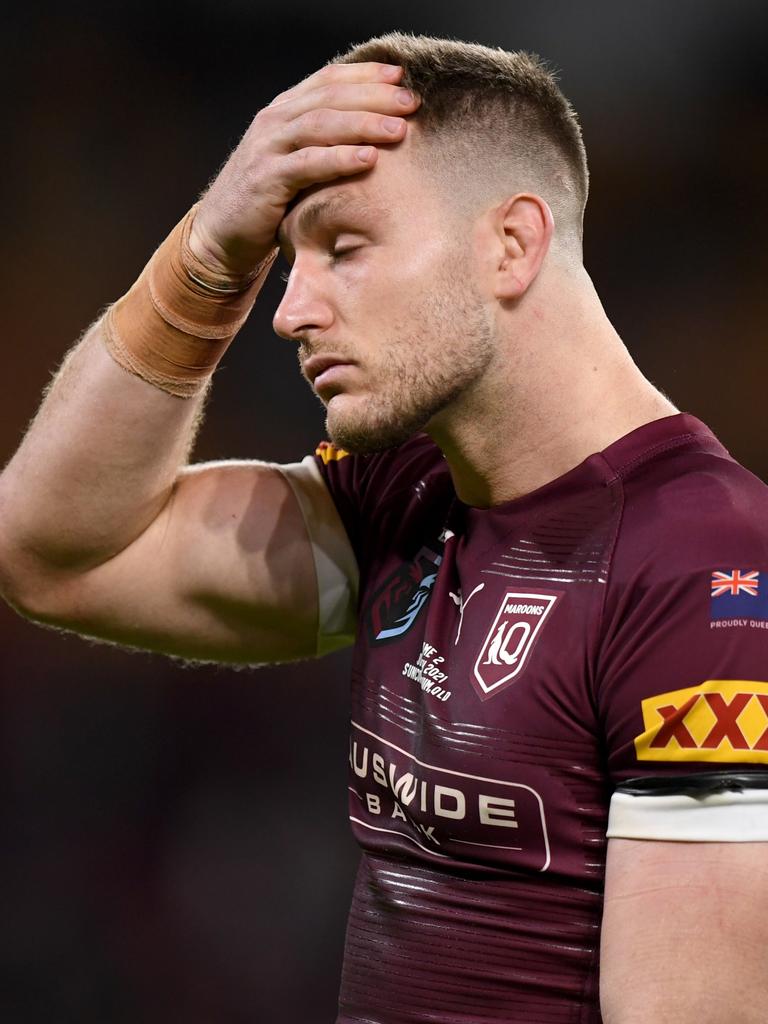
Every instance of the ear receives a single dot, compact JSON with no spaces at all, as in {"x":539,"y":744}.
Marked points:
{"x":524,"y":227}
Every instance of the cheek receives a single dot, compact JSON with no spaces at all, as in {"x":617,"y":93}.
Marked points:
{"x":408,"y":270}
{"x":426,"y":259}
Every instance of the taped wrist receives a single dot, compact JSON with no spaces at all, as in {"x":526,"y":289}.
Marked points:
{"x":175,"y":323}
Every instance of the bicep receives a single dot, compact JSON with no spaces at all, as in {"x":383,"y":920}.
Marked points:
{"x":226,"y":572}
{"x":685,"y":933}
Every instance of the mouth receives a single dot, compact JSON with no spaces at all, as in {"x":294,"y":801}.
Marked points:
{"x":322,"y":371}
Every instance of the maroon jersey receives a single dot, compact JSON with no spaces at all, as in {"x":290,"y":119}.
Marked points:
{"x":596,"y":646}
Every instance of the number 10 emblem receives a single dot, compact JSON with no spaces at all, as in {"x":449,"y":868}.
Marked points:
{"x":510,"y":639}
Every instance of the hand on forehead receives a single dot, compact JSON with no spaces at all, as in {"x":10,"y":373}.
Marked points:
{"x":326,"y":128}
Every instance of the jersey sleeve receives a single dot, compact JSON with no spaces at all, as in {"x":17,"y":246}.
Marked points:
{"x":344,"y":500}
{"x":682,"y":679}
{"x":335,"y":562}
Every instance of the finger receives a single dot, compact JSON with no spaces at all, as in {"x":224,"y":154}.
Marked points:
{"x":378,"y":98}
{"x":332,"y":74}
{"x":314,"y":164}
{"x":340,"y":127}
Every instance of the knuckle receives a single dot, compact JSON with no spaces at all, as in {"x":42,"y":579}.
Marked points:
{"x":314,"y":122}
{"x":346,"y":156}
{"x":281,"y":97}
{"x":267,"y":124}
{"x":265,"y":118}
{"x":327,"y":94}
{"x":302,"y":158}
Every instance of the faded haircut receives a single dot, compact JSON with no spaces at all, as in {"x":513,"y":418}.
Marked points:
{"x":493,"y":123}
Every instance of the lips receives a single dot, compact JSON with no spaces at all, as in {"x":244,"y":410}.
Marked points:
{"x":316,"y":365}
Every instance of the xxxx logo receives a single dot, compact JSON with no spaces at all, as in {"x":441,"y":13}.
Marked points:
{"x":719,"y":720}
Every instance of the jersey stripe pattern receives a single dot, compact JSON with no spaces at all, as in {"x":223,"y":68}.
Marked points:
{"x":512,"y":667}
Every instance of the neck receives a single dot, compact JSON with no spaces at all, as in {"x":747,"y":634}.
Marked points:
{"x":569,"y":389}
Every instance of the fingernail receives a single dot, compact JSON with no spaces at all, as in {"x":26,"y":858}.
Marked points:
{"x":393,"y":125}
{"x":391,"y":71}
{"x":405,"y":96}
{"x":365,"y":154}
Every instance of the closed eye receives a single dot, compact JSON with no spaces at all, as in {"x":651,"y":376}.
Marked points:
{"x":335,"y":255}
{"x":340,"y":252}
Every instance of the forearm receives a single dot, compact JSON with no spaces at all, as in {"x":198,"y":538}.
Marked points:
{"x":96,"y":466}
{"x":100,"y":459}
{"x":95,"y":474}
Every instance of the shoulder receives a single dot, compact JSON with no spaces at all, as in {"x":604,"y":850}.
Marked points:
{"x":384,"y":476}
{"x":385,"y":494}
{"x":691,"y":508}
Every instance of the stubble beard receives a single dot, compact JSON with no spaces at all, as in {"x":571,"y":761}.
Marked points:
{"x":427,"y":363}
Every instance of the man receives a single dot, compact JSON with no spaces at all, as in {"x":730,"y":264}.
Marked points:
{"x":557,"y":583}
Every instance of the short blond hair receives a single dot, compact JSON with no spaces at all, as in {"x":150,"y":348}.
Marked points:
{"x":496,"y":114}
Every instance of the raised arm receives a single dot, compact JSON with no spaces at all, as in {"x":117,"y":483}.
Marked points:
{"x":103,"y":527}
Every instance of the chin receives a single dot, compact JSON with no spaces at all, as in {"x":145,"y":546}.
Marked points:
{"x":362,"y":433}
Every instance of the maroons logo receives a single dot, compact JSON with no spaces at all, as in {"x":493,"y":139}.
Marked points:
{"x":396,"y":606}
{"x":508,"y":644}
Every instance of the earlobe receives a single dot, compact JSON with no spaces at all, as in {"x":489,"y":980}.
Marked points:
{"x":509,"y":286}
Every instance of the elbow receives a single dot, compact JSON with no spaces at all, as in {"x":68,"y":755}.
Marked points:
{"x":23,"y":597}
{"x":21,"y":584}
{"x":29,"y":590}
{"x":42,"y":586}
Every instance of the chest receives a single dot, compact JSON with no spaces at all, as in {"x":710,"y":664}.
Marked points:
{"x":474,"y":729}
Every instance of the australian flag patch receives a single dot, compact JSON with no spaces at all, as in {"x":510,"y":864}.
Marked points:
{"x":739,"y":594}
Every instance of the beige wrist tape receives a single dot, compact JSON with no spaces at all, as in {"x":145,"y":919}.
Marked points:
{"x":175,"y":323}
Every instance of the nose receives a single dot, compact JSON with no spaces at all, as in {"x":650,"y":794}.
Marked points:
{"x":302,"y":309}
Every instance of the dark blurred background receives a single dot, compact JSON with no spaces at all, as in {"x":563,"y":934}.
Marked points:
{"x":174,"y":840}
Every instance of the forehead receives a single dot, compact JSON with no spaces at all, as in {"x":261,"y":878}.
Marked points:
{"x":319,"y":207}
{"x":393,"y":189}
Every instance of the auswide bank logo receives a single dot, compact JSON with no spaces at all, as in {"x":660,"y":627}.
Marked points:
{"x":510,"y":639}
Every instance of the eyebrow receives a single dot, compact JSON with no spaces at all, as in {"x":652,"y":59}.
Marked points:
{"x":317,"y":210}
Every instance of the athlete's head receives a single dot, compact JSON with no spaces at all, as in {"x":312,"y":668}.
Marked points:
{"x":491,"y":123}
{"x":448,"y":231}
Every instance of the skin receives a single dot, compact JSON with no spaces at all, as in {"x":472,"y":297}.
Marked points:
{"x":683,"y":934}
{"x":473,"y":328}
{"x":375,"y":285}
{"x":103,"y":528}
{"x":483,"y":330}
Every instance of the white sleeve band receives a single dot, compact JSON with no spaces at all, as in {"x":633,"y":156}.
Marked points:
{"x":335,"y":562}
{"x":729,"y":817}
